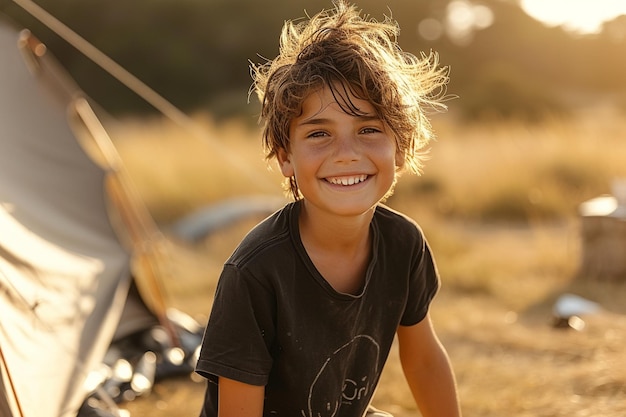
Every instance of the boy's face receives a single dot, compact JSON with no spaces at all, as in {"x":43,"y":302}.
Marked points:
{"x":342,"y":163}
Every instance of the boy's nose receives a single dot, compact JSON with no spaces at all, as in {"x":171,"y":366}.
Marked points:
{"x":346,"y":148}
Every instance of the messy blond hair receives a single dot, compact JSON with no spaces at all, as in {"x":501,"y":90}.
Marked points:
{"x":351,"y":55}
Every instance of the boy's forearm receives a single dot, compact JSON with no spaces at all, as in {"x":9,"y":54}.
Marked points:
{"x":434,"y":388}
{"x":427,"y":370}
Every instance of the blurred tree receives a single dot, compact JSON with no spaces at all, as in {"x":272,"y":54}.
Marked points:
{"x":196,"y":53}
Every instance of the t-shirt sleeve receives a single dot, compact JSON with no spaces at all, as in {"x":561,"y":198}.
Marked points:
{"x":240,"y":330}
{"x":424,"y":283}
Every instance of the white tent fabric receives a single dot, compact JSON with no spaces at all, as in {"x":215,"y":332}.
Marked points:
{"x":64,"y":275}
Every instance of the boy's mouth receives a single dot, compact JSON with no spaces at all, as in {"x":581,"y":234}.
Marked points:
{"x":347,"y":180}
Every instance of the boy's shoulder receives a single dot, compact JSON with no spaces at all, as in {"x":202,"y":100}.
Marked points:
{"x":398,"y":235}
{"x":391,"y":217}
{"x":397,"y":226}
{"x":266,"y":236}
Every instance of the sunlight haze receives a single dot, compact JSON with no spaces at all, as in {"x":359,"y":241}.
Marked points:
{"x":585,"y":16}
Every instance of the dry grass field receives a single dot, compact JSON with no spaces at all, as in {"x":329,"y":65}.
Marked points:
{"x":498,"y":203}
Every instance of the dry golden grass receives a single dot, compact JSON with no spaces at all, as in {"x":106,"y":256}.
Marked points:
{"x":498,"y":204}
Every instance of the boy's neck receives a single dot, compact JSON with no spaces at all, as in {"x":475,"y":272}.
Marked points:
{"x":338,"y":246}
{"x":334,"y":232}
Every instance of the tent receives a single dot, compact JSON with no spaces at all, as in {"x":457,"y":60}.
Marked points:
{"x":78,"y":250}
{"x":79,"y":253}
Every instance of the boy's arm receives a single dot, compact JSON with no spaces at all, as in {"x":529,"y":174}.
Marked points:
{"x":237,"y":399}
{"x":427,"y":370}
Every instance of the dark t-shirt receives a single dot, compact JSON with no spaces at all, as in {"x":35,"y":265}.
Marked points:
{"x":276,"y":322}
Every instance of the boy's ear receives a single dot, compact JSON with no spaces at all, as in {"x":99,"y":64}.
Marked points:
{"x":400,"y":160}
{"x":284,"y":162}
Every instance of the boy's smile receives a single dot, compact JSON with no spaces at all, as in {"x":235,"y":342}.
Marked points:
{"x":343,"y":163}
{"x":347,"y":180}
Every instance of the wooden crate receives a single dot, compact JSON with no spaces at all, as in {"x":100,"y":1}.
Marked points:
{"x":603,"y":239}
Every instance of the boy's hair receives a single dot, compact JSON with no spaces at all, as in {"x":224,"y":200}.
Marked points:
{"x":351,"y":55}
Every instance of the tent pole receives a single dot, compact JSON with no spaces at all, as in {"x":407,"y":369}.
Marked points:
{"x":145,"y":237}
{"x":10,"y":382}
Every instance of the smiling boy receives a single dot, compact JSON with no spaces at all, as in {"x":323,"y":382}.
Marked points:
{"x":308,"y":305}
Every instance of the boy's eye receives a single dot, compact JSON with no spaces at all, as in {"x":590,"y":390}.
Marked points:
{"x":370,"y":130}
{"x":316,"y":134}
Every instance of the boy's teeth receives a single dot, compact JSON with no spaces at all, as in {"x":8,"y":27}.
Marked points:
{"x":347,"y":180}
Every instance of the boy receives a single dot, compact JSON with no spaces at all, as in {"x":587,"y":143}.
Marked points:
{"x":307,"y":307}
